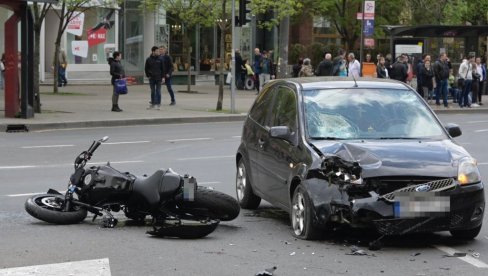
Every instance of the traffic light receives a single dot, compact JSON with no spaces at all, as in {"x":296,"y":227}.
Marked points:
{"x":243,"y":11}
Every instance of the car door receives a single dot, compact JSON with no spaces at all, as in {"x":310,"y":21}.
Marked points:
{"x":279,"y":156}
{"x":256,"y":129}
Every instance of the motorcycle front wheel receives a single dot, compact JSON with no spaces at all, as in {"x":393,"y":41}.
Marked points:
{"x":211,"y":203}
{"x":49,"y":208}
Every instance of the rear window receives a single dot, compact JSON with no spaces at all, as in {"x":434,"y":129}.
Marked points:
{"x":355,"y":113}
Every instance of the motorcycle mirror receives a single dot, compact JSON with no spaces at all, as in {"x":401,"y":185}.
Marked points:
{"x":104,"y":139}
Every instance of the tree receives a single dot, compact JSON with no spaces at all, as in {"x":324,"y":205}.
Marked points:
{"x":39,"y":12}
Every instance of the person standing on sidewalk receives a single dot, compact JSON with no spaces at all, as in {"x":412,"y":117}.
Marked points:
{"x":154,"y":71}
{"x":465,"y":73}
{"x":257,"y":68}
{"x":481,"y":70}
{"x":441,"y":74}
{"x":167,"y":72}
{"x":63,"y":63}
{"x":117,"y":72}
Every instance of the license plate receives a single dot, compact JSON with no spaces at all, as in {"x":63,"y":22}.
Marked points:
{"x":189,"y":188}
{"x":421,"y":204}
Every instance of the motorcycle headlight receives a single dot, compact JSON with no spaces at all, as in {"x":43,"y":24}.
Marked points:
{"x":468,"y":172}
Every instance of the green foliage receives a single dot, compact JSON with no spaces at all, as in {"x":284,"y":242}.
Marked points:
{"x":315,"y":52}
{"x":296,"y":51}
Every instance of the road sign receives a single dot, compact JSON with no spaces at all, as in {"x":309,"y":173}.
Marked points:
{"x":369,"y":42}
{"x":369,"y":7}
{"x":367,"y":16}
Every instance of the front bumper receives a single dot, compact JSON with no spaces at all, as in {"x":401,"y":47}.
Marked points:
{"x":467,"y":204}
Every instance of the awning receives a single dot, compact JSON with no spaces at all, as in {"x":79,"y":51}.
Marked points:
{"x":436,"y":30}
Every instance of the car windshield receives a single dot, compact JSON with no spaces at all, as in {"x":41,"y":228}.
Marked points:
{"x":371,"y":113}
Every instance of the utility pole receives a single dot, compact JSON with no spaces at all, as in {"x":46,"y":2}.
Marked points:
{"x":233,"y":62}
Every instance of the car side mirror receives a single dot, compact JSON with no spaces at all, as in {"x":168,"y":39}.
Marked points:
{"x":453,"y":130}
{"x":283,"y":133}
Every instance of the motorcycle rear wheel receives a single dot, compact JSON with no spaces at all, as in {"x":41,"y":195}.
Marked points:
{"x":211,"y":203}
{"x":48,"y":208}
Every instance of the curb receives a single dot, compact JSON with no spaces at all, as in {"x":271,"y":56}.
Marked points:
{"x":126,"y":122}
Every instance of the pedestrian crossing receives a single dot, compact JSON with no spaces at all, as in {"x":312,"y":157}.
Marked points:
{"x":98,"y":267}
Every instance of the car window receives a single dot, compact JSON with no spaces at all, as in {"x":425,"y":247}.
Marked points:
{"x":284,"y":112}
{"x":261,"y":107}
{"x":356,"y":113}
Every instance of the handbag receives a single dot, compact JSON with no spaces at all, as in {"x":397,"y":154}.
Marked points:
{"x":121,"y":86}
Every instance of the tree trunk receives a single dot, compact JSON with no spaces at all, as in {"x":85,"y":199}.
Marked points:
{"x":220,"y":98}
{"x":37,"y":38}
{"x":188,"y":58}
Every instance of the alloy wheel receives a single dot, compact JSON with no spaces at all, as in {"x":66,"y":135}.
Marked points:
{"x":298,"y":214}
{"x":241,"y":181}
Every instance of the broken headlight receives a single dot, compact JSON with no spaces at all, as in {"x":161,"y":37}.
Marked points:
{"x":468,"y":172}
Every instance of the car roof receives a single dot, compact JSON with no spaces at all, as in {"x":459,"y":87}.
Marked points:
{"x":310,"y":83}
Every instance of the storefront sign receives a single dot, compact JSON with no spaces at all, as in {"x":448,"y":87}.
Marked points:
{"x":75,"y":26}
{"x":96,"y":37}
{"x":79,"y":48}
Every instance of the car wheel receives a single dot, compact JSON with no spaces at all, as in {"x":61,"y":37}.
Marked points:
{"x":245,"y":195}
{"x":466,"y":234}
{"x":302,"y":216}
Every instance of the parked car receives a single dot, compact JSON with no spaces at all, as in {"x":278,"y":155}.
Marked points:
{"x":366,"y":153}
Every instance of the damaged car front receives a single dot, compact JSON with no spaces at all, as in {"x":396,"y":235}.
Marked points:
{"x":385,"y":161}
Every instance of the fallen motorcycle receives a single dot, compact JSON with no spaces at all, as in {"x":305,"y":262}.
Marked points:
{"x":177,"y":205}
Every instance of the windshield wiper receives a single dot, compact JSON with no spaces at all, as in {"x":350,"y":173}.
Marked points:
{"x":325,"y":138}
{"x":397,"y":138}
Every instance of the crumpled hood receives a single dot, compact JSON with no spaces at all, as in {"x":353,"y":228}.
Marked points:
{"x":398,"y":158}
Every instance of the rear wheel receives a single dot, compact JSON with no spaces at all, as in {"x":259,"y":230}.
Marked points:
{"x":245,"y":195}
{"x":213,"y":204}
{"x":466,"y":234}
{"x":50,"y":208}
{"x":302,"y":216}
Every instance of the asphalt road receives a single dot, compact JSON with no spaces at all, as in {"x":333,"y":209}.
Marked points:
{"x":35,"y":161}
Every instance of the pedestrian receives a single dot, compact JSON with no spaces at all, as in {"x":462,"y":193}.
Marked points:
{"x":325,"y":66}
{"x":475,"y":86}
{"x":307,"y":70}
{"x":353,"y":66}
{"x":388,"y":62}
{"x":240,"y":72}
{"x":409,"y":68}
{"x":441,"y":74}
{"x":117,"y":72}
{"x":154,"y":71}
{"x":297,"y":67}
{"x":62,"y":64}
{"x":427,"y":81}
{"x":368,"y":58}
{"x":339,"y":64}
{"x":249,"y":81}
{"x":481,"y":69}
{"x":257,"y":67}
{"x":453,"y":89}
{"x":465,"y":70}
{"x":167,"y":72}
{"x":2,"y":72}
{"x":399,"y":70}
{"x":266,"y":70}
{"x":381,"y":70}
{"x":418,"y":72}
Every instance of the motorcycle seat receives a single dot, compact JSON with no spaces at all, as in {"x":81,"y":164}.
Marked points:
{"x":160,"y":185}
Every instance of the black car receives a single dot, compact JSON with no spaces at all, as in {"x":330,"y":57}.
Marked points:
{"x":365,"y":153}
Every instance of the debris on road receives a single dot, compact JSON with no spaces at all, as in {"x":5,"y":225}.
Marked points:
{"x":267,"y":272}
{"x":455,"y":254}
{"x":356,"y":251}
{"x":415,"y":254}
{"x":476,"y":255}
{"x":292,"y":253}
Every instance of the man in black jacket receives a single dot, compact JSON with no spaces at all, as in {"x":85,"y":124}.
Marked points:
{"x":399,"y":70}
{"x":441,"y":73}
{"x":167,"y":72}
{"x":154,"y":71}
{"x":325,"y":66}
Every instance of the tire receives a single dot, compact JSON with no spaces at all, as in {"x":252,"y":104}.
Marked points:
{"x":47,"y":207}
{"x":249,"y":83}
{"x":211,"y":203}
{"x":301,"y":216}
{"x":466,"y":234}
{"x":245,"y":195}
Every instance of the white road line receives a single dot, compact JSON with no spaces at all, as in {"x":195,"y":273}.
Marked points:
{"x":209,"y":183}
{"x":239,"y":137}
{"x":66,"y":165}
{"x":189,"y":139}
{"x":20,"y":195}
{"x":481,"y":130}
{"x":100,"y":267}
{"x":205,"y":157}
{"x":121,"y":143}
{"x":483,"y":163}
{"x":476,"y":122}
{"x":469,"y":259}
{"x":49,"y":146}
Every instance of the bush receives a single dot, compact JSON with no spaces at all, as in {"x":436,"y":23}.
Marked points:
{"x":296,"y":51}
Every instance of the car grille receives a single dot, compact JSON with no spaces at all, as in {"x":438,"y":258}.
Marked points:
{"x":435,"y":186}
{"x":404,"y":226}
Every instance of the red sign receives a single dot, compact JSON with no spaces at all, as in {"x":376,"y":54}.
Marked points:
{"x":369,"y":42}
{"x":367,"y":16}
{"x":96,"y":37}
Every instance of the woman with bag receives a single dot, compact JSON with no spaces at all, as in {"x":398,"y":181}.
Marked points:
{"x":427,"y":73}
{"x":117,"y":72}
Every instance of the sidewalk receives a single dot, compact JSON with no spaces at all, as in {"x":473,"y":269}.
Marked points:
{"x":78,"y":106}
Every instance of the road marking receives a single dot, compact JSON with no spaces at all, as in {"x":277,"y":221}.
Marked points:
{"x":469,"y":259}
{"x":483,"y":163}
{"x":121,"y":143}
{"x":50,"y":146}
{"x":205,"y":157}
{"x":209,"y":183}
{"x":100,"y":267}
{"x":481,"y":130}
{"x":477,"y":122}
{"x":189,"y":139}
{"x":239,"y":137}
{"x":29,"y":194}
{"x":66,"y":165}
